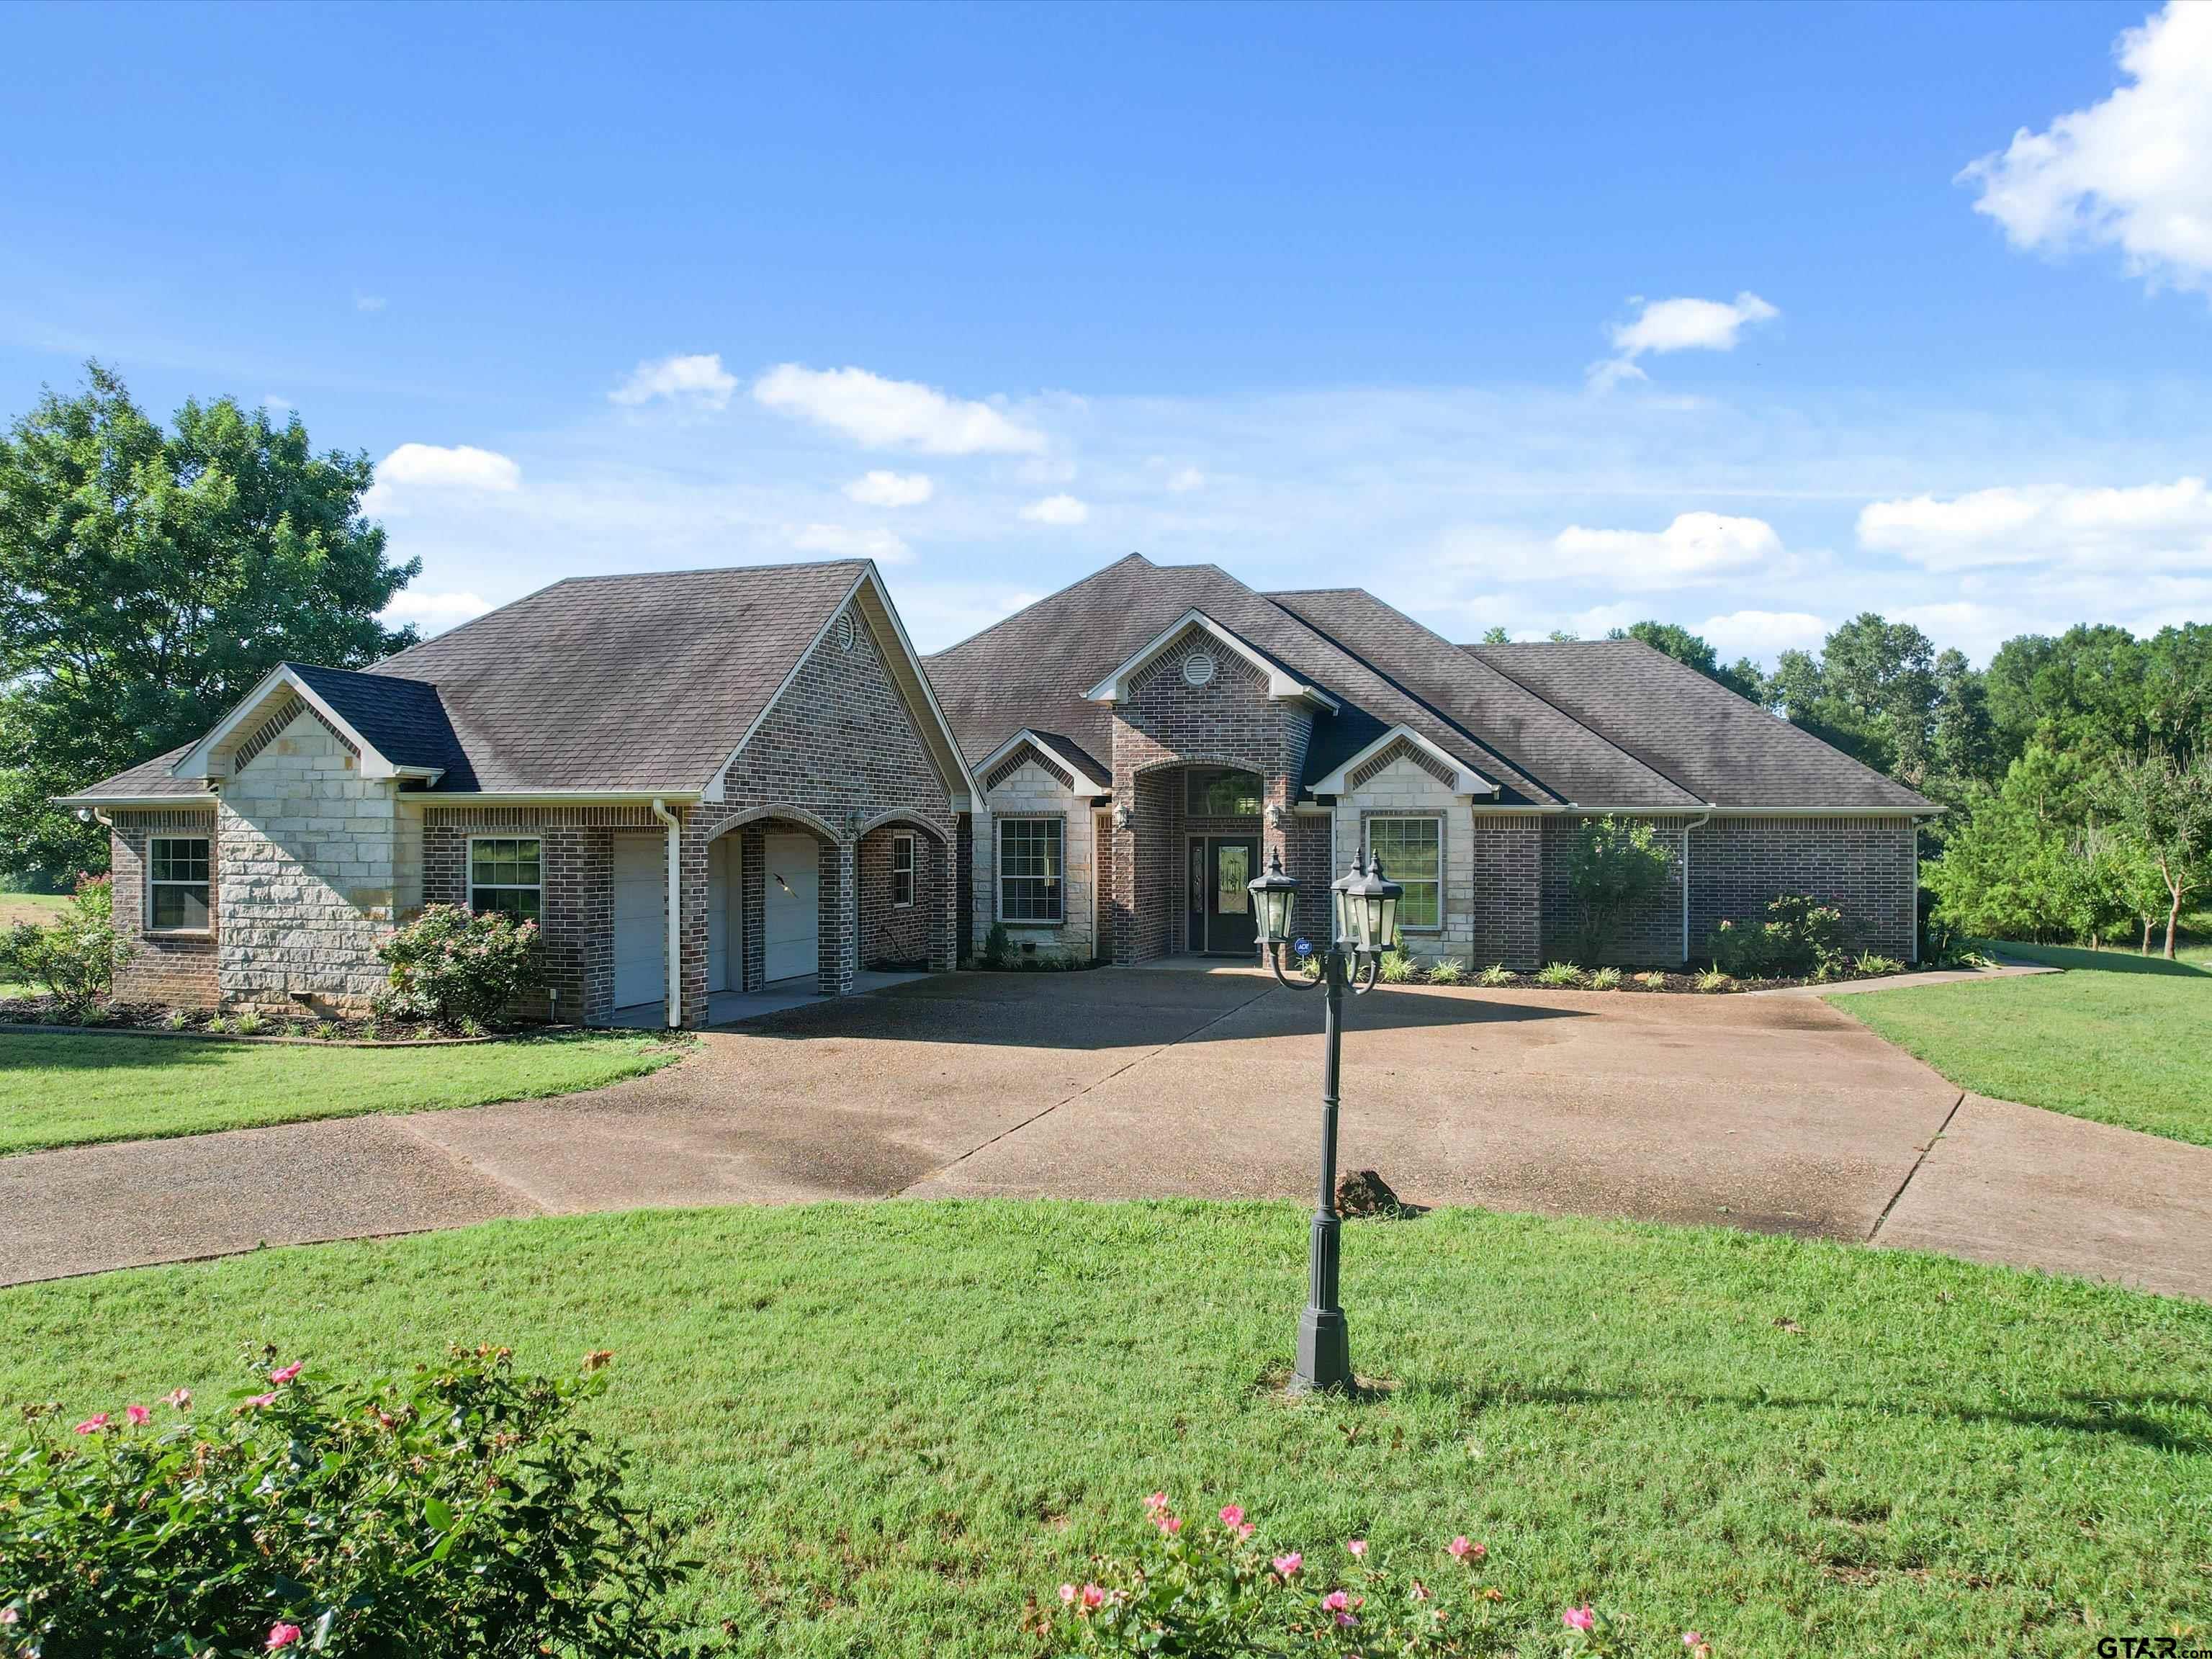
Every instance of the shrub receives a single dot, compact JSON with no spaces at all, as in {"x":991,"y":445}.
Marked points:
{"x":217,"y":1025}
{"x":176,"y":1019}
{"x":996,"y":946}
{"x":1605,"y":979}
{"x":450,"y":964}
{"x":248,"y":1024}
{"x":1448,"y":971}
{"x":1559,"y":975}
{"x":1615,"y":868}
{"x":455,"y":1512}
{"x":1496,"y":974}
{"x":1397,"y":968}
{"x":1652,"y":981}
{"x":1714,"y":979}
{"x":328,"y":1030}
{"x":1871,"y":965}
{"x":73,"y":956}
{"x":1798,"y":937}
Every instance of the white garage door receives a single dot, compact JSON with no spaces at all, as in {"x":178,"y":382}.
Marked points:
{"x":793,"y":924}
{"x":641,"y":923}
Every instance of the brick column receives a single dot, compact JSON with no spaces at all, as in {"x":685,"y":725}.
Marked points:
{"x":943,"y":886}
{"x":752,"y":907}
{"x":838,"y":899}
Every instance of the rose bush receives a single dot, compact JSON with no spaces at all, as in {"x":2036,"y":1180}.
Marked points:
{"x":451,"y":965}
{"x":455,"y":1512}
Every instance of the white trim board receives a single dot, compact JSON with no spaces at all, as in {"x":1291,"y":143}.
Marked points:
{"x":1466,"y":780}
{"x":1281,"y":681}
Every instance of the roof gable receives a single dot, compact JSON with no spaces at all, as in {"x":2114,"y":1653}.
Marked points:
{"x":1283,"y":682}
{"x":395,"y":733}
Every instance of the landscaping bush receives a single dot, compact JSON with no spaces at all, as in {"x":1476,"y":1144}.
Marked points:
{"x":1448,"y":971}
{"x":1560,"y":975}
{"x":1605,"y":979}
{"x":455,"y":1511}
{"x":1496,"y":974}
{"x":1652,"y":980}
{"x":1798,"y":938}
{"x":73,"y":956}
{"x":1714,"y":978}
{"x":1396,"y":968}
{"x":449,"y":966}
{"x":1212,"y":1588}
{"x":1617,"y":867}
{"x":998,"y":948}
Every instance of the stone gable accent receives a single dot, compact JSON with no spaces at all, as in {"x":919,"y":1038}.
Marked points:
{"x":1401,"y":751}
{"x":289,"y":709}
{"x":1028,"y":755}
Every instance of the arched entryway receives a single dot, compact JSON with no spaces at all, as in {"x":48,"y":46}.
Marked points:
{"x":906,"y":881}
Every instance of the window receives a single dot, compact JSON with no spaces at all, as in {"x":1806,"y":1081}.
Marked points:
{"x":1028,"y":870}
{"x":507,"y":875}
{"x":1412,"y":851}
{"x":902,"y":873}
{"x":177,"y":883}
{"x":1215,"y":792}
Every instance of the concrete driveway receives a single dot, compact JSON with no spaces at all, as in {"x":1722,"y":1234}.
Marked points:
{"x":1773,"y":1113}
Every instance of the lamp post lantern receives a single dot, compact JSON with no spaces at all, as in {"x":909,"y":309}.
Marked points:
{"x":1365,"y":921}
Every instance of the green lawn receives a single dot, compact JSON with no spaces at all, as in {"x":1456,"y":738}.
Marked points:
{"x":64,"y":1090}
{"x":890,"y":1425}
{"x":2117,"y":1038}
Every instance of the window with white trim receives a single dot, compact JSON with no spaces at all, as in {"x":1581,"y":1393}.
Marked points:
{"x":1030,"y":870}
{"x":507,"y":874}
{"x":901,"y":872}
{"x":1413,"y":854}
{"x":177,"y":884}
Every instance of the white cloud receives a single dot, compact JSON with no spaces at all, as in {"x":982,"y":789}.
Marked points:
{"x":368,"y":302}
{"x":276,"y":405}
{"x":1183,"y":480}
{"x":1696,"y":547}
{"x":435,"y":466}
{"x":2134,"y":172}
{"x":2144,"y":527}
{"x":1665,"y":326}
{"x":882,"y":414}
{"x":699,"y":377}
{"x":1763,"y":634}
{"x":1056,"y":509}
{"x":435,"y":612}
{"x":845,"y":542}
{"x":881,"y":489}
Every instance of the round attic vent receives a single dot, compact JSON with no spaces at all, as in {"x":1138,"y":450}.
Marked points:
{"x":846,"y":632}
{"x":1198,"y":668}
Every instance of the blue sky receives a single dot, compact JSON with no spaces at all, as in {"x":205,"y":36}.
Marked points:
{"x":1746,"y":318}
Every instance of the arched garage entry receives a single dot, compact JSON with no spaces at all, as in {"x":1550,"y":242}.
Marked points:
{"x":905,"y":875}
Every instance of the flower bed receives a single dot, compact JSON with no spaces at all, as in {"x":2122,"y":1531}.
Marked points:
{"x":53,"y":1015}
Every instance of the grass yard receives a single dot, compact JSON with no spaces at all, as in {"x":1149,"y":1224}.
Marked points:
{"x":67,"y":1090}
{"x":2118,"y":1038}
{"x":30,"y":906}
{"x":891,"y":1425}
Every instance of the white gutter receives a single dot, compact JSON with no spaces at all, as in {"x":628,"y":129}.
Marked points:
{"x":460,"y":799}
{"x":675,"y":908}
{"x":1694,"y":824}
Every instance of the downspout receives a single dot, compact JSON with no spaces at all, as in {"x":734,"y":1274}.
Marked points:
{"x":1695,"y":824}
{"x":675,"y":908}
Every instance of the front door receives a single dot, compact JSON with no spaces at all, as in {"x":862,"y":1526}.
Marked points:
{"x":1221,"y":920}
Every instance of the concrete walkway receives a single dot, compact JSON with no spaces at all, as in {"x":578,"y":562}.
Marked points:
{"x":1774,"y":1113}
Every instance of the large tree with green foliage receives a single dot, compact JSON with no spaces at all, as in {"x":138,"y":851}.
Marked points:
{"x":147,"y":580}
{"x":1872,"y":692}
{"x":2165,"y":802}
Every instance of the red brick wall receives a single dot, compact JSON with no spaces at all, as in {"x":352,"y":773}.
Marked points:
{"x":1651,"y":939}
{"x":1508,"y":855}
{"x":1867,"y":867}
{"x":174,"y":969}
{"x":892,"y":937}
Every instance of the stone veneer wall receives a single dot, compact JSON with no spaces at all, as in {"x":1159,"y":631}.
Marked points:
{"x":1165,"y":722}
{"x":1651,"y":939}
{"x":175,"y":969}
{"x":1405,"y":788}
{"x":841,"y":746}
{"x":1869,"y":867}
{"x":1034,"y":789}
{"x":316,"y":863}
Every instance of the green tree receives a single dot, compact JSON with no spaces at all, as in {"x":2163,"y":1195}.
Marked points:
{"x":1741,"y":676}
{"x":1963,"y":744}
{"x":149,"y":578}
{"x":2165,"y":803}
{"x":2009,"y":868}
{"x":1616,"y":867}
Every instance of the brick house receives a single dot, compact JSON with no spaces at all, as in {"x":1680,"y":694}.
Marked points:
{"x":763,"y":744}
{"x":1145,"y":740}
{"x":1100,"y":774}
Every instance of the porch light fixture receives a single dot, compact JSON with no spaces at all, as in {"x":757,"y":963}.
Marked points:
{"x":1366,"y":922}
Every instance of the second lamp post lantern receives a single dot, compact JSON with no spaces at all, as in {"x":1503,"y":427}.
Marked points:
{"x":1365,"y":923}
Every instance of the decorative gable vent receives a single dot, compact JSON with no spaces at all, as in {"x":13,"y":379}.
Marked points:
{"x":1198,"y":668}
{"x":845,"y":631}
{"x":1389,"y":757}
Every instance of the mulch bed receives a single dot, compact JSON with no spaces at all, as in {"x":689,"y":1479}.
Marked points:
{"x":43,"y":1015}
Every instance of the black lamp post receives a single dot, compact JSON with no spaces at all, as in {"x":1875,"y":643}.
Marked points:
{"x":1366,"y":922}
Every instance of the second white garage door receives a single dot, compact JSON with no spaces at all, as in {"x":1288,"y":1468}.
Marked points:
{"x":793,"y":932}
{"x":641,"y":923}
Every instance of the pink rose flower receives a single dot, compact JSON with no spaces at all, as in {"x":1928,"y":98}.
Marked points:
{"x":93,"y":1424}
{"x":280,"y":1377}
{"x":1335,"y":1601}
{"x":1358,"y":1546}
{"x":9,"y":1615}
{"x":282,"y":1635}
{"x":180,"y":1398}
{"x":1580,"y":1618}
{"x":263,"y":1400}
{"x":1287,"y":1565}
{"x":137,"y":1413}
{"x":1067,"y":1593}
{"x":1093,"y":1598}
{"x":1158,"y":1501}
{"x":1231,"y":1517}
{"x":1459,"y":1550}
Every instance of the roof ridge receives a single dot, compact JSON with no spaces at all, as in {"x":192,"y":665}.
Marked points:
{"x":1047,"y":599}
{"x":709,"y":570}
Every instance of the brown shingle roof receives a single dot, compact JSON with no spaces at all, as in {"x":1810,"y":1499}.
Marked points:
{"x":1730,"y":751}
